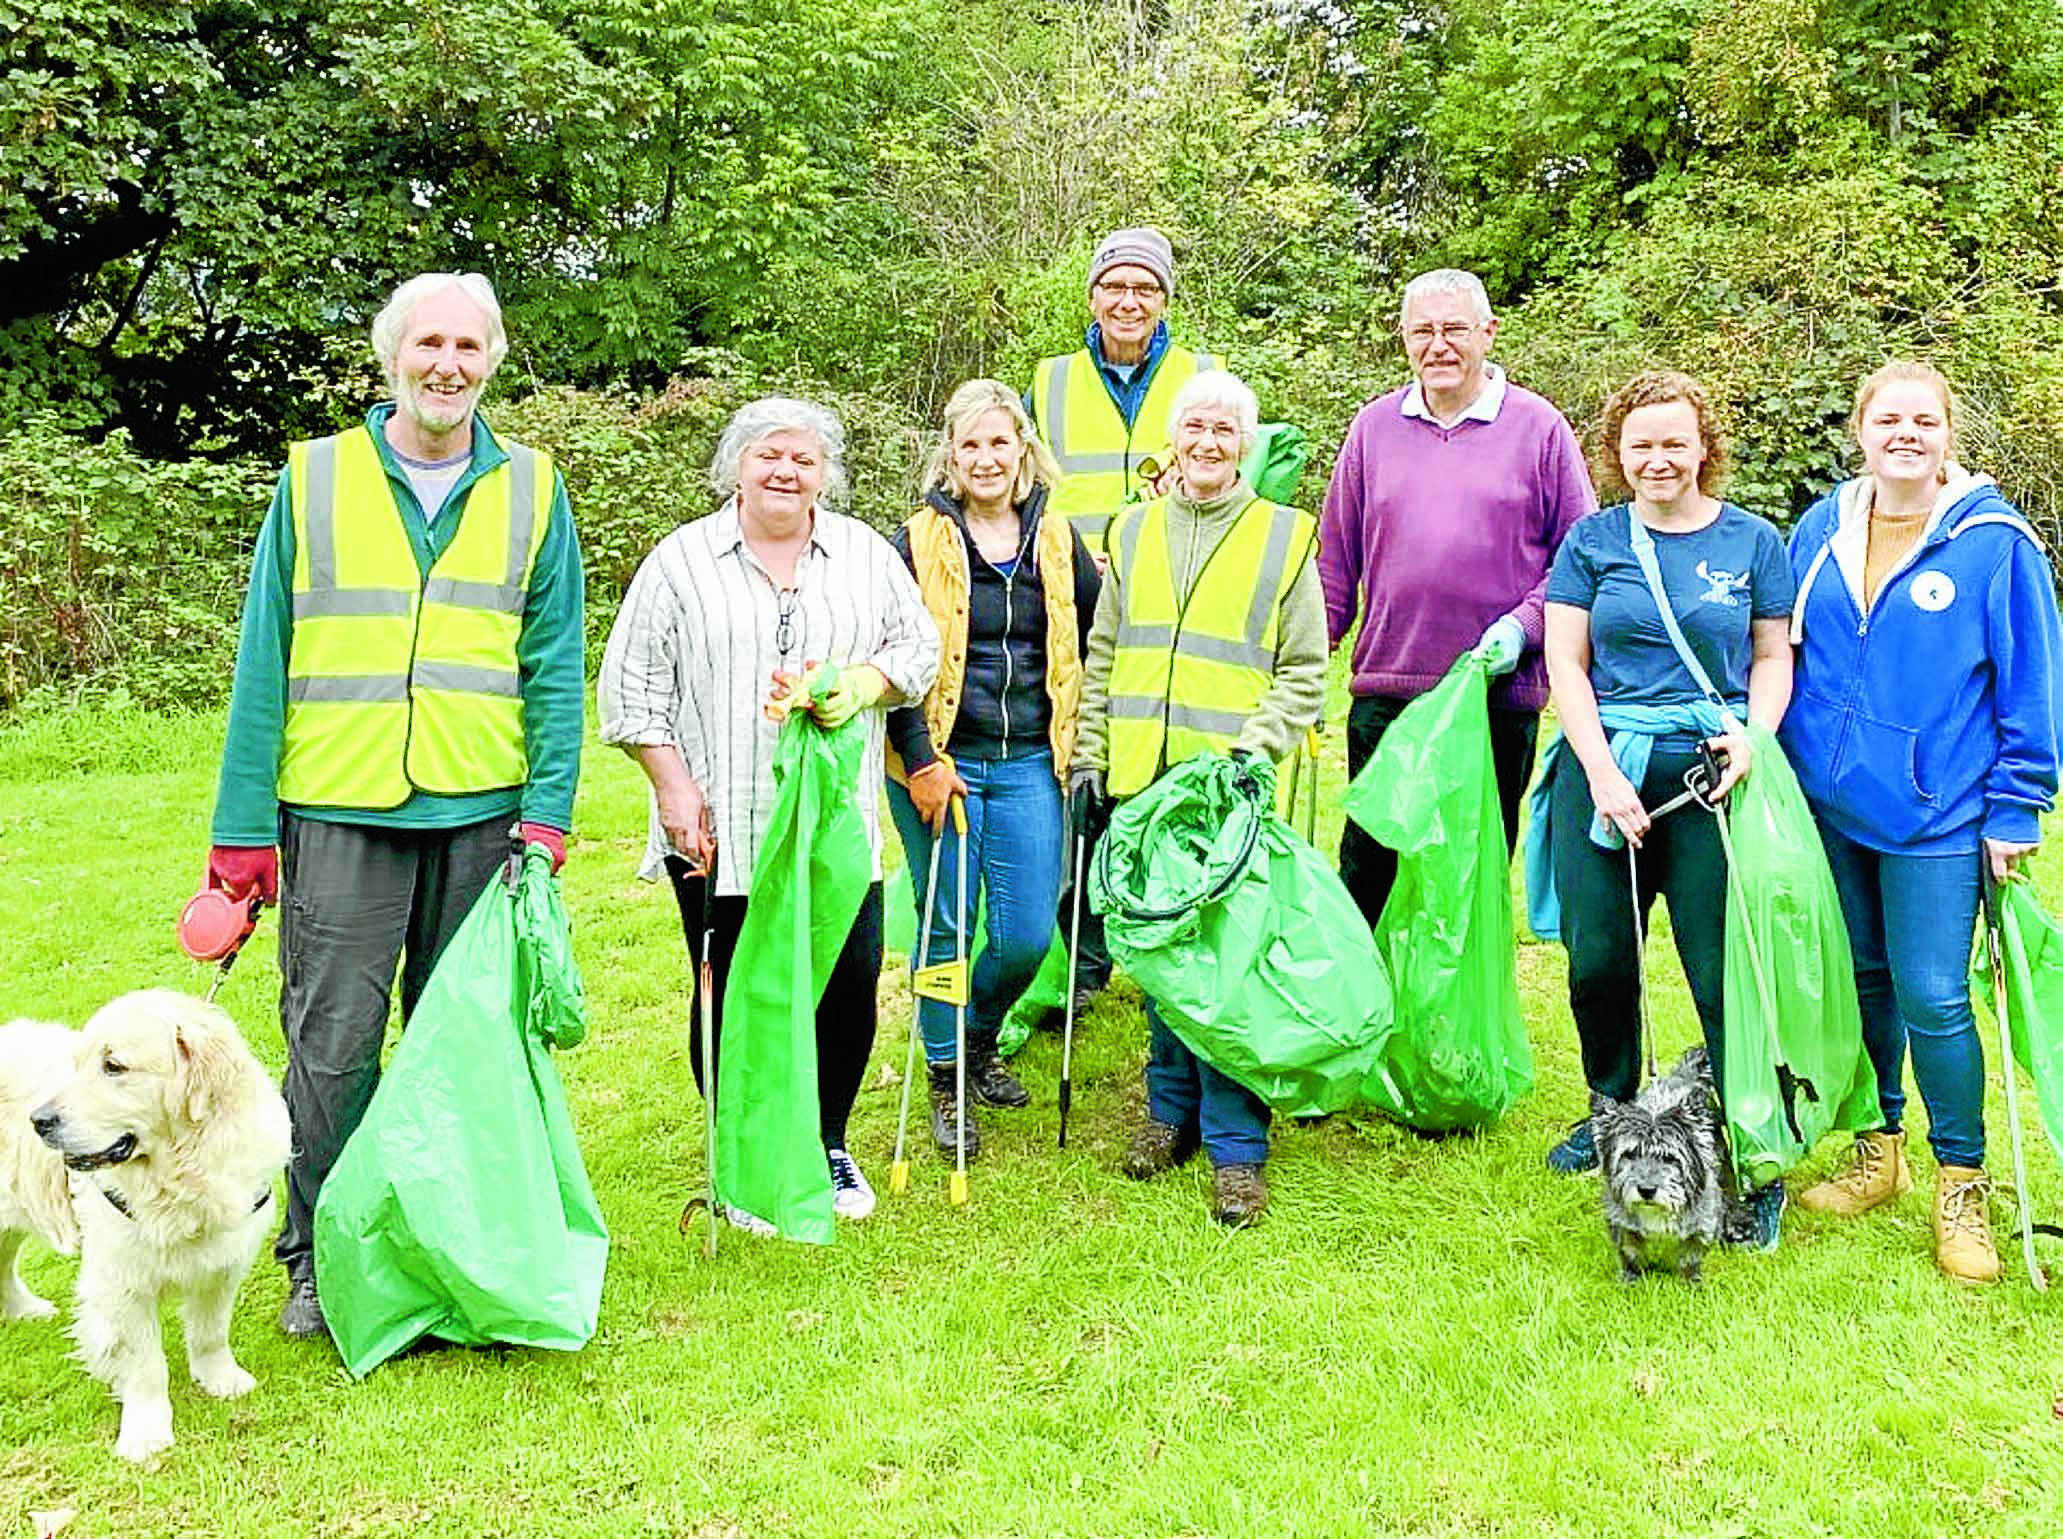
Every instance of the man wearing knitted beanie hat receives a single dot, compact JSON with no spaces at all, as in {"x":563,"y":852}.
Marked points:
{"x":1103,"y":410}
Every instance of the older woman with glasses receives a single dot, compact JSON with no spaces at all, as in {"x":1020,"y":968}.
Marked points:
{"x":771,"y":580}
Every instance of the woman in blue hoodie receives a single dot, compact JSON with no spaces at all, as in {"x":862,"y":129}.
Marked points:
{"x":1923,"y":729}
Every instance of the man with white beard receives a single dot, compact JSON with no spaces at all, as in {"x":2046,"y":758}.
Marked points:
{"x":406,"y":710}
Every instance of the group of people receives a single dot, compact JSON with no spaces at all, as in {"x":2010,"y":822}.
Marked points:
{"x":1089,"y":591}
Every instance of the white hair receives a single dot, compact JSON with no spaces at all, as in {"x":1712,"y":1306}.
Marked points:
{"x":391,"y":324}
{"x":780,"y":414}
{"x":1446,"y":280}
{"x":1219,"y":387}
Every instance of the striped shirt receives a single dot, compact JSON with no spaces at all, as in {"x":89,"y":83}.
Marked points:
{"x":692,"y":654}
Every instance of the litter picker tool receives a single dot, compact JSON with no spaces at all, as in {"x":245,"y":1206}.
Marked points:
{"x":899,"y":1168}
{"x":947,"y":982}
{"x":1078,"y":815}
{"x":1995,"y":953}
{"x":705,"y":1002}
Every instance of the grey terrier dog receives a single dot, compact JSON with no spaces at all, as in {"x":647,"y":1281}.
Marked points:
{"x":1661,"y":1160}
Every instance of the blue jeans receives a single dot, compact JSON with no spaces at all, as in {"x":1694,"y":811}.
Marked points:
{"x":1014,"y":837}
{"x":1183,"y":1091}
{"x":1910,"y":921}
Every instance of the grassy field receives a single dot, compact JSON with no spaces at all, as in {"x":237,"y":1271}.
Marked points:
{"x":1424,"y":1338}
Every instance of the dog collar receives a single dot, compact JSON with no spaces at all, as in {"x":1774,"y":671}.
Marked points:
{"x":115,"y":1201}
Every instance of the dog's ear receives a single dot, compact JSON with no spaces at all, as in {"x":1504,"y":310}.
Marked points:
{"x":209,"y":1068}
{"x":1602,"y":1107}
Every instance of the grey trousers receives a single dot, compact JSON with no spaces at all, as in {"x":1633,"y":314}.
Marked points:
{"x":353,"y":900}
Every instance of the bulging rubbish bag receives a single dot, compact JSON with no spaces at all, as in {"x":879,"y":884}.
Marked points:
{"x":460,"y":1208}
{"x":2033,"y":954}
{"x":1243,"y":935}
{"x":1458,"y":1057}
{"x":1794,"y":1065}
{"x":813,"y":872}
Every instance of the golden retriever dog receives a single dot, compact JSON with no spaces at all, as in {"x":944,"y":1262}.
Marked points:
{"x":148,"y":1143}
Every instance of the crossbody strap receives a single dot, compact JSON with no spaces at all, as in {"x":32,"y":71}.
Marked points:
{"x":1644,"y":553}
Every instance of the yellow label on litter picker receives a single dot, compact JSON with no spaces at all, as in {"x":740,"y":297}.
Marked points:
{"x":945,"y":982}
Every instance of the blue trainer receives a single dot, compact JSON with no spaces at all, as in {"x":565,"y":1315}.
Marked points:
{"x":1756,"y":1220}
{"x":1575,"y":1154}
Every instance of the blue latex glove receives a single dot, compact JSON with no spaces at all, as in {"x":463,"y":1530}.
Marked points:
{"x":1501,"y":645}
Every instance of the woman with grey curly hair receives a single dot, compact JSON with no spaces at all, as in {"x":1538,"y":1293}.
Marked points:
{"x":723,"y":608}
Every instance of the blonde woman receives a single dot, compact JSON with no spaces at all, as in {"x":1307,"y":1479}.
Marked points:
{"x":1012,"y":590}
{"x":1924,"y":735}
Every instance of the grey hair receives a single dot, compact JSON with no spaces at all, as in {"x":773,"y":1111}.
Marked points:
{"x":1446,"y":280}
{"x":1219,"y":387}
{"x":780,"y":414}
{"x":391,"y":324}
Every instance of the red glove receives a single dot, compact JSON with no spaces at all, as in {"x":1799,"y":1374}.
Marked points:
{"x":244,"y":870}
{"x":551,"y":838}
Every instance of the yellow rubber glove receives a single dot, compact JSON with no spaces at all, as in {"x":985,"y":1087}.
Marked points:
{"x":857,"y":687}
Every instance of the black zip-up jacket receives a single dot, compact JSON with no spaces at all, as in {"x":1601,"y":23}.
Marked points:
{"x":1004,"y":712}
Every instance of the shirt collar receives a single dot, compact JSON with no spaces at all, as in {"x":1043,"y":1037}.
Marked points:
{"x":1484,"y":408}
{"x":728,"y":531}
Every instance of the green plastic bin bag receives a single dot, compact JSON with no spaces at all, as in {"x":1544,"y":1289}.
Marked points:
{"x":1275,"y":464}
{"x":1459,"y":1057}
{"x":2033,"y":947}
{"x":460,"y":1208}
{"x":1794,"y":1064}
{"x":1243,"y":935}
{"x":813,"y":873}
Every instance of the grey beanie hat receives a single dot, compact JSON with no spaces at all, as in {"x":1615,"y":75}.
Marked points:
{"x":1143,"y":247}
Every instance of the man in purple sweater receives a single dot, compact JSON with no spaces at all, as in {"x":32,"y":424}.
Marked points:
{"x":1446,"y":506}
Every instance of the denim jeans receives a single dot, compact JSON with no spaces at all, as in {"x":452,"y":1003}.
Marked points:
{"x":1183,"y":1091}
{"x":1910,"y":922}
{"x":1014,"y":837}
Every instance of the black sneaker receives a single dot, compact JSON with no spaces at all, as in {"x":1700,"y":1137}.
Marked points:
{"x":301,"y":1315}
{"x":1575,"y":1154}
{"x":1755,"y":1222}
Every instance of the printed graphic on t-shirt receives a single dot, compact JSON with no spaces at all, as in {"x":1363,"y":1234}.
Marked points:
{"x":1723,"y":587}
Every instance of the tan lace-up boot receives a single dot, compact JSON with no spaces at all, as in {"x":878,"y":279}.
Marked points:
{"x":1878,"y":1174}
{"x":1962,"y":1226}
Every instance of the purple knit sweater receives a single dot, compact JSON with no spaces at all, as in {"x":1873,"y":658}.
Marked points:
{"x":1436,"y":532}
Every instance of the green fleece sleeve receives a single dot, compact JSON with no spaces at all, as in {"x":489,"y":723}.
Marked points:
{"x":247,"y":789}
{"x":1296,"y":697}
{"x":551,"y":657}
{"x":1092,"y":735}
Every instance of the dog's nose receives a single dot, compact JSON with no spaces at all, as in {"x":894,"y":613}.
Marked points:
{"x":44,"y":1119}
{"x":1647,"y":1193}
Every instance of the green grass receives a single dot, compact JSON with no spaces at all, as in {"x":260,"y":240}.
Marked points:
{"x":1425,"y":1337}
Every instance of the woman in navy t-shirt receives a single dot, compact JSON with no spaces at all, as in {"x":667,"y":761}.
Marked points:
{"x":1633,"y":715}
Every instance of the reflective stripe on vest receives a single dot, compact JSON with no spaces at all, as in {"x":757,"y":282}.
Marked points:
{"x":396,"y":683}
{"x":1184,"y":678}
{"x":1098,"y":453}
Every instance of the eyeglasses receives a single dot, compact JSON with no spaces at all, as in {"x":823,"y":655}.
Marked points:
{"x":1454,"y":333}
{"x":784,"y":621}
{"x":1139,"y":291}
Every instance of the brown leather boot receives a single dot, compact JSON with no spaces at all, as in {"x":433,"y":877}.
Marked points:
{"x":1962,"y":1226}
{"x":1157,"y":1147}
{"x":1878,"y":1174}
{"x":1239,"y":1194}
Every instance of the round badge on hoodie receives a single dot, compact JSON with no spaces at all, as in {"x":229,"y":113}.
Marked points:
{"x":1933,"y":591}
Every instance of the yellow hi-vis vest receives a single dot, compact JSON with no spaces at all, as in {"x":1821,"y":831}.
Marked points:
{"x":1184,"y":677}
{"x":397,"y":683}
{"x":1099,"y":456}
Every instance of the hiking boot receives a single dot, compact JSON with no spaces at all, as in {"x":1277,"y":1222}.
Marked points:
{"x":301,"y":1315}
{"x":1055,"y":1018}
{"x":1238,"y":1195}
{"x":851,"y":1196}
{"x":1576,"y":1153}
{"x":1878,"y":1174}
{"x":989,"y":1079}
{"x":1157,"y":1147}
{"x":1755,"y":1222}
{"x":1962,"y":1226}
{"x":947,"y":1114}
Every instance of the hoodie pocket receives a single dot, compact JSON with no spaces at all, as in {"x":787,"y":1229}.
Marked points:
{"x":1877,"y":780}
